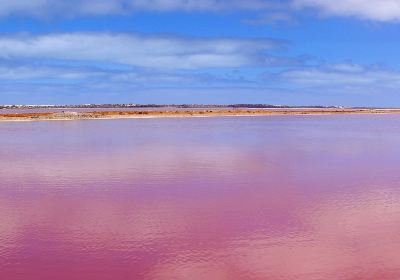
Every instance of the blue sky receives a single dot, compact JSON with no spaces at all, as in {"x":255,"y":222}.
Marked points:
{"x":295,"y":52}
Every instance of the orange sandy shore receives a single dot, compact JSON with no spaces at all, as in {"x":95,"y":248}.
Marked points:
{"x":186,"y":113}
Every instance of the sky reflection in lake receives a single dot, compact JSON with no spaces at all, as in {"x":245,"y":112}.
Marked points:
{"x":313,"y":197}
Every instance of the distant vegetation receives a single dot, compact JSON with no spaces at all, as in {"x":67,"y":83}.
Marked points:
{"x":258,"y":106}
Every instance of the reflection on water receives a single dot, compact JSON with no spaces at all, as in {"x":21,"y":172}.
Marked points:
{"x":305,"y":198}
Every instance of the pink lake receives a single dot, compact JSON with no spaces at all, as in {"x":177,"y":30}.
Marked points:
{"x":276,"y":198}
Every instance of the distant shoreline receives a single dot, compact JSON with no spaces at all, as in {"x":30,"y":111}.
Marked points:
{"x":43,"y":116}
{"x":185,"y":106}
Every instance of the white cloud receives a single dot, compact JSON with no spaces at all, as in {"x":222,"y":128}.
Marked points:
{"x":10,"y":73}
{"x":377,"y":10}
{"x":270,"y":18}
{"x":105,"y":7}
{"x":341,"y":77}
{"x":138,"y":50}
{"x":34,"y":74}
{"x":51,"y":7}
{"x":202,"y":4}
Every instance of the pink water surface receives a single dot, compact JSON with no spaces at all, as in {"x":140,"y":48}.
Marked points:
{"x":276,"y":198}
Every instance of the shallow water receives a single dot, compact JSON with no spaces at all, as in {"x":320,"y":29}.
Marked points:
{"x":283,"y":197}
